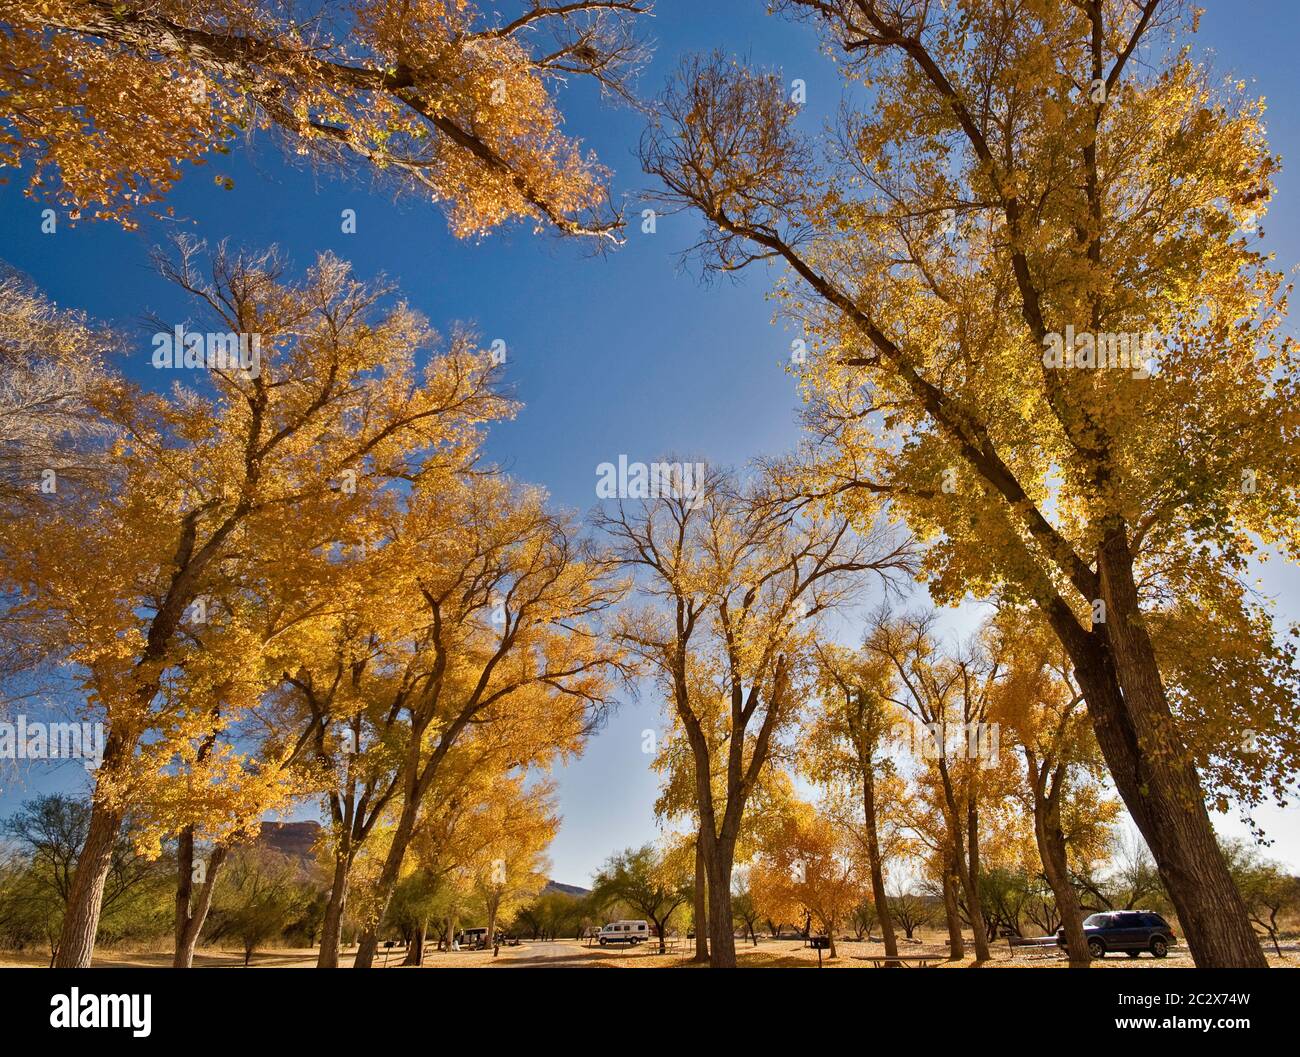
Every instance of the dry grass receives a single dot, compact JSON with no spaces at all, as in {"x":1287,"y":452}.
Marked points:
{"x":769,"y":953}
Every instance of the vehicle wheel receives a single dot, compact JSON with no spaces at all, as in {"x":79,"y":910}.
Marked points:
{"x":1096,"y":948}
{"x":1132,"y":954}
{"x":1159,"y":947}
{"x":602,"y":943}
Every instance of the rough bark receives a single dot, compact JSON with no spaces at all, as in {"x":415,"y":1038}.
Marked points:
{"x":1179,"y":832}
{"x":192,"y":912}
{"x":951,"y":913}
{"x":415,"y":951}
{"x":701,"y":903}
{"x":1047,"y":792}
{"x":963,"y":835}
{"x":331,"y":932}
{"x":878,"y":895}
{"x":722,"y":939}
{"x":86,"y":898}
{"x":1116,"y":668}
{"x":387,"y":880}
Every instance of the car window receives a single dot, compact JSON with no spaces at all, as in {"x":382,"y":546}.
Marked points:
{"x":1098,"y":921}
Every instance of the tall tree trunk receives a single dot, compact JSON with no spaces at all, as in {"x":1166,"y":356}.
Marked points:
{"x":956,"y":944}
{"x":384,"y":886}
{"x":1051,"y":849}
{"x":701,"y":902}
{"x":331,"y":932}
{"x":965,"y":857}
{"x":1116,"y":668}
{"x":86,"y":899}
{"x":878,"y":895}
{"x":367,"y":946}
{"x":971,"y":881}
{"x":722,"y":938}
{"x":1178,"y":831}
{"x":192,"y":913}
{"x":415,"y":952}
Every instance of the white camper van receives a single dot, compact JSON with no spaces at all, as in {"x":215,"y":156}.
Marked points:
{"x":632,"y":932}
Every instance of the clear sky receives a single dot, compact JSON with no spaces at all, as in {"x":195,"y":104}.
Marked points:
{"x":621,"y":354}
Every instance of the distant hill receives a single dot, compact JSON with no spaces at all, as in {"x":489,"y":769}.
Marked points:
{"x":568,"y":890}
{"x":294,"y":839}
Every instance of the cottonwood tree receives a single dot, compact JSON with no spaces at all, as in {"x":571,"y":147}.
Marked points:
{"x":510,"y":600}
{"x":912,"y":912}
{"x":52,"y":361}
{"x":106,"y":102}
{"x":948,"y":698}
{"x":204,"y":493}
{"x":456,"y":659}
{"x":811,"y":866}
{"x":520,"y":821}
{"x":734,"y":582}
{"x":1270,"y":890}
{"x":651,"y":882}
{"x":847,"y":742}
{"x":481,"y":839}
{"x":678,"y":798}
{"x":927,"y":843}
{"x":1040,"y":711}
{"x":1020,"y":170}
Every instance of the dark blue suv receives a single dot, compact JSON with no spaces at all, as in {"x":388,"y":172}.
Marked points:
{"x":1130,"y":931}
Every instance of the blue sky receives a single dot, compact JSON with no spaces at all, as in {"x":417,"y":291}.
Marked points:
{"x":617,"y":354}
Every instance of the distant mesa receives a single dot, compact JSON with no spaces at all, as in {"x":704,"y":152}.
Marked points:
{"x":294,"y":839}
{"x":568,"y":890}
{"x":298,"y":839}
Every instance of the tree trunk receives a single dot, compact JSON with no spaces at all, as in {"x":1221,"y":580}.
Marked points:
{"x":701,"y":902}
{"x":965,"y":857}
{"x":1051,"y":849}
{"x":878,"y":895}
{"x":384,"y":887}
{"x":1179,"y":832}
{"x":956,"y":944}
{"x":332,"y":926}
{"x":970,"y":876}
{"x":81,"y":920}
{"x":191,"y":915}
{"x":415,"y":952}
{"x":1116,"y":668}
{"x":722,"y":938}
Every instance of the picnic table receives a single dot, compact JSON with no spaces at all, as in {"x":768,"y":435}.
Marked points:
{"x":902,"y":961}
